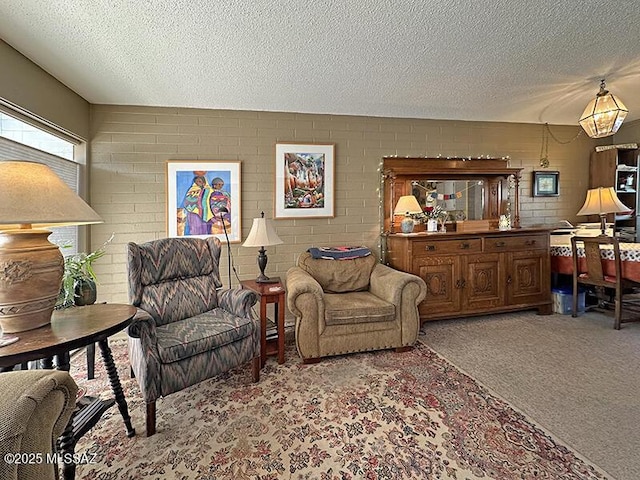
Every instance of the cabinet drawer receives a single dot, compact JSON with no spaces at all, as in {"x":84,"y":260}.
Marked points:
{"x":511,"y":243}
{"x":430,"y":247}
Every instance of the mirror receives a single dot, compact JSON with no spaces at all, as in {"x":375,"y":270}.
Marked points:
{"x":461,"y":199}
{"x":469,"y":189}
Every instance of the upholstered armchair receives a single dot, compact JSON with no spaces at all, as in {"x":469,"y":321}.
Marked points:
{"x":354,"y":305}
{"x":35,"y":408}
{"x":187,"y":328}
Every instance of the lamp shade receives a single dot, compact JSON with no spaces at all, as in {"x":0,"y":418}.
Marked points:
{"x":262,"y":234}
{"x":602,"y":200}
{"x":32,"y":194}
{"x":407,"y":204}
{"x":604,"y":114}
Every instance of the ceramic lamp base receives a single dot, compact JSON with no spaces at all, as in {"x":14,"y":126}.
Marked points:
{"x":30,"y":278}
{"x":406,"y":225}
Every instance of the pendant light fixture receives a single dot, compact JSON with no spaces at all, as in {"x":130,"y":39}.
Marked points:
{"x":604,"y":114}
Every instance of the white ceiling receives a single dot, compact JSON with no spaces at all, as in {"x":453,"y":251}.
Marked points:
{"x":504,"y":60}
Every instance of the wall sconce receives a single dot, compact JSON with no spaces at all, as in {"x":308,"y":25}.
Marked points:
{"x":32,"y":198}
{"x":604,"y":114}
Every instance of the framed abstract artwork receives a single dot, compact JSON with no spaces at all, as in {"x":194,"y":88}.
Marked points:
{"x":203,"y":199}
{"x":304,"y":180}
{"x":545,"y":184}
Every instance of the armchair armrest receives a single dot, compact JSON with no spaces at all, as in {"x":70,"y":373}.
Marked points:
{"x":238,"y":301}
{"x":390,"y":285}
{"x":143,"y":325}
{"x":300,"y":282}
{"x":35,"y":408}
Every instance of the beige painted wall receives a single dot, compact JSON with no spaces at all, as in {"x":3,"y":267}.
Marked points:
{"x":130,"y":146}
{"x":628,"y":133}
{"x":25,"y":84}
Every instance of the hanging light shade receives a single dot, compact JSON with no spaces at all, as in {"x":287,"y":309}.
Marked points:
{"x":604,"y":114}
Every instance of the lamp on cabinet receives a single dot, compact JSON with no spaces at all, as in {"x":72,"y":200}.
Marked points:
{"x":407,"y":205}
{"x":600,"y":201}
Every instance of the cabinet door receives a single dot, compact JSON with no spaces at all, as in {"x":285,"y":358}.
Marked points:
{"x":483,"y":282}
{"x":441,"y":273}
{"x":528,"y":277}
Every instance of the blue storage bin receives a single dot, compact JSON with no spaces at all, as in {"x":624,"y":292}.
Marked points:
{"x":562,"y":298}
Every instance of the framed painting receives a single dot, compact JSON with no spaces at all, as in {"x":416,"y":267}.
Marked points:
{"x":545,"y":184}
{"x":304,"y":180}
{"x":203,"y":199}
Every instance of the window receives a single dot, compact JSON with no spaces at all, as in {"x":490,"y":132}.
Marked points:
{"x":22,"y":141}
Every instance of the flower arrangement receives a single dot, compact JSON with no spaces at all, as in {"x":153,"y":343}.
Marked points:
{"x":436,"y":213}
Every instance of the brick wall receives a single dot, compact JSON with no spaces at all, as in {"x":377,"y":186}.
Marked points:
{"x":130,"y":146}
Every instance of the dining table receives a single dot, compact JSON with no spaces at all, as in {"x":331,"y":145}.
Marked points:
{"x":562,"y":258}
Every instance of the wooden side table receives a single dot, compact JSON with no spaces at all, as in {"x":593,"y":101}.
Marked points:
{"x":269,"y":293}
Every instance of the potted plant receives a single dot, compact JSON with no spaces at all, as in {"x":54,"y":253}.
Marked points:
{"x":79,"y":278}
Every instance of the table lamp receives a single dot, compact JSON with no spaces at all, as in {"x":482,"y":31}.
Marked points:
{"x":600,"y":201}
{"x":32,"y":198}
{"x":262,"y":235}
{"x":407,"y":205}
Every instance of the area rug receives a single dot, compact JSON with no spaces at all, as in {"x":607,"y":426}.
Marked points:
{"x":381,"y":415}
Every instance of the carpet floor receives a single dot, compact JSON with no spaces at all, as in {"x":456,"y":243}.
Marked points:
{"x":379,"y":415}
{"x":576,"y":376}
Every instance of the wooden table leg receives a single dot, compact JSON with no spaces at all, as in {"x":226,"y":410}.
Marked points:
{"x":107,"y":357}
{"x":279,"y":313}
{"x":263,"y":331}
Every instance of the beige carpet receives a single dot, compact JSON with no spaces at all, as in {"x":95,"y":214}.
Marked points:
{"x":577,"y":377}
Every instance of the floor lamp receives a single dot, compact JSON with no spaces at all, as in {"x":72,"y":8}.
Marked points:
{"x":262,"y":235}
{"x":33,"y":198}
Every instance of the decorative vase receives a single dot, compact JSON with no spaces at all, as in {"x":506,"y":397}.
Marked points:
{"x":85,"y":292}
{"x":432,"y":225}
{"x":406,"y":225}
{"x":504,"y":223}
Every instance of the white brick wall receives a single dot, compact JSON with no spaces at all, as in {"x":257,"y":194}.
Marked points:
{"x":130,"y":145}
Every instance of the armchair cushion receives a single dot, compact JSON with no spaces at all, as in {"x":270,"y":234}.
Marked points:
{"x":356,"y":307}
{"x":338,"y":276}
{"x":202,"y":333}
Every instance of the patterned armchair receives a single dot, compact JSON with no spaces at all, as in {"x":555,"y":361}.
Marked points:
{"x":186,"y":329}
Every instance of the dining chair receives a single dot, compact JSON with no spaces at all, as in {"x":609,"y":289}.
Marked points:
{"x":609,"y":284}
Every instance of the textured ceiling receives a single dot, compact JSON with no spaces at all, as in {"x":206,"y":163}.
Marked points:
{"x":505,"y":60}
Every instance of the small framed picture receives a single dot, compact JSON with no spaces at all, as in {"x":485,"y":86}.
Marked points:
{"x":203,"y":199}
{"x":545,"y":184}
{"x":304,"y":180}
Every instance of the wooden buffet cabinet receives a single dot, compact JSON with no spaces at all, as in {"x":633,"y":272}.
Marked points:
{"x":468,"y":272}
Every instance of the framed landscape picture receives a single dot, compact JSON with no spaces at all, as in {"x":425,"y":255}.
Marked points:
{"x":545,"y":184}
{"x":203,"y":199}
{"x":304,"y":180}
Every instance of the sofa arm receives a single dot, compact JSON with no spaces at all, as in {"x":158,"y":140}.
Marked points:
{"x":390,"y":285}
{"x":35,"y":408}
{"x":299,"y":283}
{"x":143,"y":354}
{"x":238,"y":301}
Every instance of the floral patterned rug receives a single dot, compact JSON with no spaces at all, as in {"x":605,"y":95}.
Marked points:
{"x":381,"y":415}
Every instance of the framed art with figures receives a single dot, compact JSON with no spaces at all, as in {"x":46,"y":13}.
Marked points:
{"x":203,"y":199}
{"x":304,"y":180}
